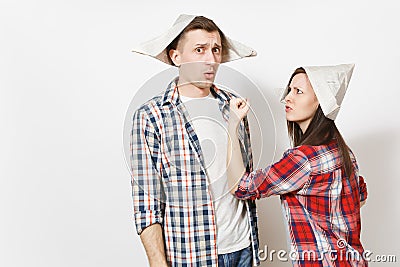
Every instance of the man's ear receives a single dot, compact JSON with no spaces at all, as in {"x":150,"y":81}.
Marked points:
{"x":175,"y":57}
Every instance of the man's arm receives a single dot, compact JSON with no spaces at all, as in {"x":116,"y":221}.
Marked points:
{"x":147,"y":189}
{"x":153,"y":242}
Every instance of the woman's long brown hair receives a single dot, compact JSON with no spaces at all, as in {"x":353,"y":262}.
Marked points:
{"x":320,"y":131}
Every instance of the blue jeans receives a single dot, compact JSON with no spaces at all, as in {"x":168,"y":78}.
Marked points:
{"x":241,"y":258}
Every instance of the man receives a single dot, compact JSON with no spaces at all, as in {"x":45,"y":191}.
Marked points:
{"x":184,"y":213}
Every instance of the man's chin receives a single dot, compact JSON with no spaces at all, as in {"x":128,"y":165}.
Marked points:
{"x":203,"y":84}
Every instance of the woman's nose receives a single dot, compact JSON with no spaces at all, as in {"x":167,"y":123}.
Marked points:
{"x":288,"y":97}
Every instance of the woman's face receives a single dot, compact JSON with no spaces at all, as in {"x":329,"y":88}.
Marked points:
{"x":301,"y":101}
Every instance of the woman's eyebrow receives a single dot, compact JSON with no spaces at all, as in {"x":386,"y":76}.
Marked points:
{"x":298,"y":87}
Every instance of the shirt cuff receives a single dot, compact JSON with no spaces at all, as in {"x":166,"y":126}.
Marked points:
{"x":146,"y":218}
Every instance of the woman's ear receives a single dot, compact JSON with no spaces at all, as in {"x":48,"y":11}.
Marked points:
{"x":175,"y":57}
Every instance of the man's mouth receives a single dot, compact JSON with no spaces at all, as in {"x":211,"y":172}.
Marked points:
{"x":209,"y":75}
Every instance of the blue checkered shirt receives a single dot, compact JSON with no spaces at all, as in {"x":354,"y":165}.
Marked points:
{"x":169,"y":180}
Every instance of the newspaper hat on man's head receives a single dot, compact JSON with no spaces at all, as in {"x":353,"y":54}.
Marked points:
{"x":330,"y":84}
{"x":157,"y":47}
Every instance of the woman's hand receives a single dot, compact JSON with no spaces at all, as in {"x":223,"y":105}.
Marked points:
{"x":238,"y":110}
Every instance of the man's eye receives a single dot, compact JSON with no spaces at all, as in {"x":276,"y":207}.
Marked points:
{"x":299,"y":91}
{"x":217,"y":50}
{"x":199,"y":50}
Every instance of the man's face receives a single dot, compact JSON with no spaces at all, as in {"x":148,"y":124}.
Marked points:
{"x":198,"y":56}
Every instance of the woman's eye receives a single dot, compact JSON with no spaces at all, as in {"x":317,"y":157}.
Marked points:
{"x":299,"y":91}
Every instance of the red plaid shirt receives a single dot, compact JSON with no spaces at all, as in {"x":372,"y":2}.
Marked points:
{"x":321,"y":204}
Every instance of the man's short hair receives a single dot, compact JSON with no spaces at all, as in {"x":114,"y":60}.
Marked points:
{"x":199,"y":23}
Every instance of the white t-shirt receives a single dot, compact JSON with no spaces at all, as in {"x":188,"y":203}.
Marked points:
{"x":233,"y":228}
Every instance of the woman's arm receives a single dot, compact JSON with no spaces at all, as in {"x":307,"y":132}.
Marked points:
{"x":363,"y":191}
{"x":235,"y":167}
{"x":285,"y":176}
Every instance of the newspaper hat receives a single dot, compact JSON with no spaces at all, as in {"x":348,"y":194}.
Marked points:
{"x":330,"y":85}
{"x":157,"y":47}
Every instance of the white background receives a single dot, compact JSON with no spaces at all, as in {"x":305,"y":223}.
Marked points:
{"x":67,"y":77}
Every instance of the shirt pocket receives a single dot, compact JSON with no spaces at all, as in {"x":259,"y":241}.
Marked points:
{"x":180,"y":160}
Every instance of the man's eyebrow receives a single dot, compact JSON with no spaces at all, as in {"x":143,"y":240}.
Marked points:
{"x":207,"y":44}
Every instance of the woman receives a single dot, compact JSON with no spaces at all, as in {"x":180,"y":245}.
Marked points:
{"x":318,"y":181}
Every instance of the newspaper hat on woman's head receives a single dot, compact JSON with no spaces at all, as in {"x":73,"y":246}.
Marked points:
{"x":157,"y":47}
{"x":330,"y":84}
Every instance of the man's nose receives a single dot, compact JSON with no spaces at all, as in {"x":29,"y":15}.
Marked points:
{"x":209,"y":56}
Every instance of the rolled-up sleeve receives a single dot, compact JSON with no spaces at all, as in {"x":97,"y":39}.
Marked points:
{"x":147,"y":190}
{"x":287,"y":175}
{"x":363,"y":188}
